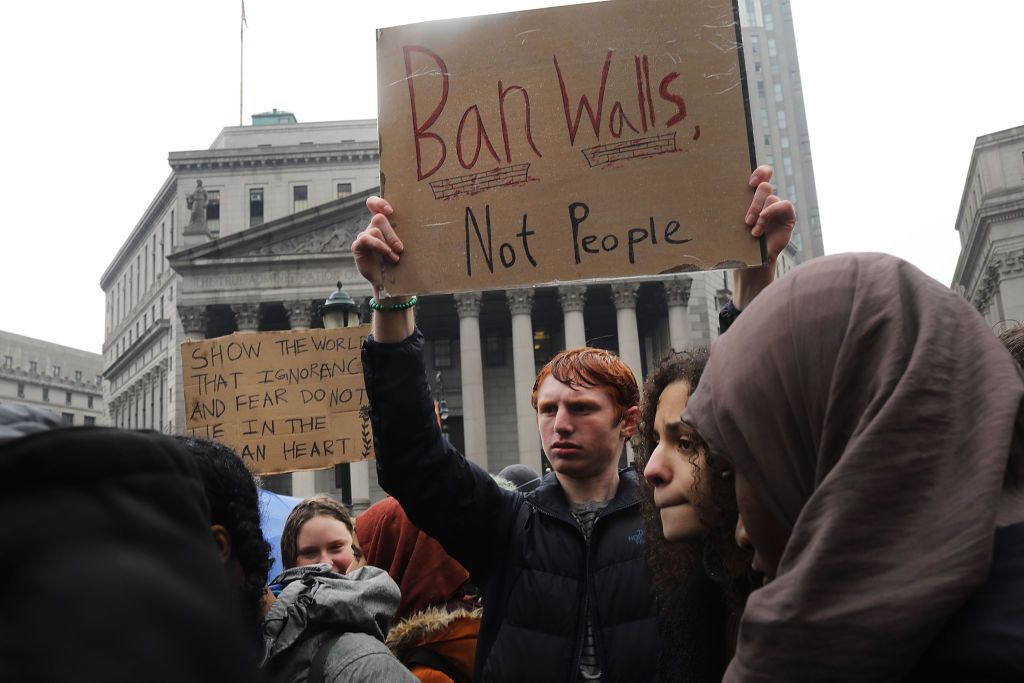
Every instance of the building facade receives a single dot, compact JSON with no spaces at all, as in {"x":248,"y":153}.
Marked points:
{"x":781,"y":138}
{"x":990,"y":270}
{"x":252,"y":233}
{"x":60,"y":379}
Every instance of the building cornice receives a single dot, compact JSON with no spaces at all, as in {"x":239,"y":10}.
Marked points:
{"x":970,"y":254}
{"x":156,"y":208}
{"x":65,"y":383}
{"x":137,"y":348}
{"x":275,"y":156}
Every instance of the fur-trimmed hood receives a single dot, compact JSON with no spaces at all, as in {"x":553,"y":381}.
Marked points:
{"x":430,"y":626}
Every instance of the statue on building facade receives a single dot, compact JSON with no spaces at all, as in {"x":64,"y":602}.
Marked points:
{"x":197,"y":206}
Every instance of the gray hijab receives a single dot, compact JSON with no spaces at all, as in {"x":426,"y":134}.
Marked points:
{"x":878,"y":417}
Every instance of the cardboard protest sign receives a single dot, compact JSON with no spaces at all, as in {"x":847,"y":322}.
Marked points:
{"x":600,"y":140}
{"x":285,"y":401}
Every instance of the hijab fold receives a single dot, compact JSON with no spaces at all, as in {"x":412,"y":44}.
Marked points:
{"x":872,"y":410}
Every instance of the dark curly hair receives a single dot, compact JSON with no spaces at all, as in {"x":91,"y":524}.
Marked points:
{"x":701,"y":584}
{"x":234,"y":504}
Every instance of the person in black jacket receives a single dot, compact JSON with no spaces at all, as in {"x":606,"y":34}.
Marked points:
{"x":567,"y":591}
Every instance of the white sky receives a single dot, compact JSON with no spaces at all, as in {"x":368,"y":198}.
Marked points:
{"x":97,"y":93}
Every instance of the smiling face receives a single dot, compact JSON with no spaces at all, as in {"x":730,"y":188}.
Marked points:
{"x":325,"y":539}
{"x":674,"y":465}
{"x":580,"y":428}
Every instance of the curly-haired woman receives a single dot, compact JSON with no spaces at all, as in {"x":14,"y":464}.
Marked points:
{"x":690,"y":512}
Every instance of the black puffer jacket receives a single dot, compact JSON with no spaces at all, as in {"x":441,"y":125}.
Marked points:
{"x":527,"y":551}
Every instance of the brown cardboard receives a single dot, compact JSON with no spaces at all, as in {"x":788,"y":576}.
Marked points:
{"x":285,"y":401}
{"x":661,"y":186}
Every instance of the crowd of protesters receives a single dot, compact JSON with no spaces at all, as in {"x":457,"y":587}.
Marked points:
{"x":834,"y":491}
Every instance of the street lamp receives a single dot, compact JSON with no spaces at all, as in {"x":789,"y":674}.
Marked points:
{"x":339,"y":310}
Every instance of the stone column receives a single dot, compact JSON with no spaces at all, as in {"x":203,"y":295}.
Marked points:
{"x":360,"y":475}
{"x":520,"y":303}
{"x":677,"y":296}
{"x":308,"y":482}
{"x":572,"y":298}
{"x":300,"y":314}
{"x":624,"y":295}
{"x":474,"y":422}
{"x":193,"y":320}
{"x":247,"y":317}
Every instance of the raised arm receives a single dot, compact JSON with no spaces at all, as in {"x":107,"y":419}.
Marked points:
{"x":772,"y":217}
{"x":444,"y":494}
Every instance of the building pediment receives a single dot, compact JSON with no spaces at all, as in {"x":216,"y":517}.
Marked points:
{"x":327,"y":229}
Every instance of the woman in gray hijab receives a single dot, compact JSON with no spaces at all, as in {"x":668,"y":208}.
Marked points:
{"x":874,"y":422}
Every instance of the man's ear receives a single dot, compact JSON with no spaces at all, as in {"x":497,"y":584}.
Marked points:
{"x":223,"y":540}
{"x":630,"y":421}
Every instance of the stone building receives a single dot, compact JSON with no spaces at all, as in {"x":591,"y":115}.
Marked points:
{"x":990,"y":270}
{"x":58,"y":378}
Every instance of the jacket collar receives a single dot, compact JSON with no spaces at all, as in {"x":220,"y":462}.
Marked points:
{"x":550,"y":497}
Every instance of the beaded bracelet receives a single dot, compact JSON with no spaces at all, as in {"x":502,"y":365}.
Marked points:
{"x":377,"y":306}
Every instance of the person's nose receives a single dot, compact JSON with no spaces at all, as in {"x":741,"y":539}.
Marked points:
{"x":655,"y":472}
{"x":563,"y":421}
{"x":325,"y":557}
{"x":742,"y":539}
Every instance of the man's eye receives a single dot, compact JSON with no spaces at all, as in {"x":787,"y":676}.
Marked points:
{"x":685,"y":444}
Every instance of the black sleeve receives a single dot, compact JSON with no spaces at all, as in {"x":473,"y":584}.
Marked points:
{"x":444,"y":494}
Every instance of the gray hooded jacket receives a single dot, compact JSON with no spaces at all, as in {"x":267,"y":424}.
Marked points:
{"x":317,"y":603}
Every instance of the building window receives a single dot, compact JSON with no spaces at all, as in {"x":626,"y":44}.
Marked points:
{"x":56,"y":371}
{"x":771,"y":48}
{"x":256,"y":206}
{"x":78,"y":375}
{"x":99,"y":380}
{"x":67,"y":398}
{"x":8,"y":362}
{"x":757,"y":67}
{"x":784,"y":142}
{"x":781,"y":115}
{"x":344,"y":190}
{"x":90,"y":402}
{"x":767,"y":140}
{"x":46,"y":394}
{"x":68,"y":418}
{"x":787,"y":165}
{"x":21,"y":390}
{"x":145,"y":321}
{"x":161,"y":306}
{"x":764,"y":118}
{"x":300,"y":198}
{"x":494,"y":351}
{"x":213,"y":212}
{"x":777,"y":88}
{"x":755,"y":44}
{"x":88,"y":420}
{"x":442,"y":353}
{"x":769,"y":22}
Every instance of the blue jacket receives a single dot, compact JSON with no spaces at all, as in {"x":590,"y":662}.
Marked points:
{"x":527,"y":552}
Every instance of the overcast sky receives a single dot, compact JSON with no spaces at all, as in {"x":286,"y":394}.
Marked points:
{"x":97,"y":93}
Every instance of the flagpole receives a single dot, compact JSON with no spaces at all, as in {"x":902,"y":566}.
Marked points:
{"x":241,"y":62}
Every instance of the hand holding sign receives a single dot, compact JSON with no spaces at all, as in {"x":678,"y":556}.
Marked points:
{"x":772,"y":217}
